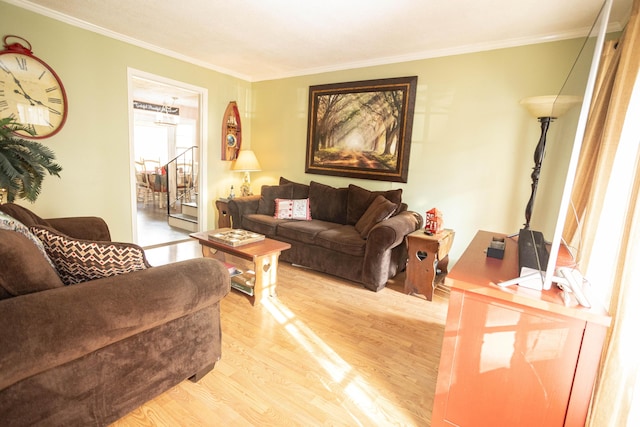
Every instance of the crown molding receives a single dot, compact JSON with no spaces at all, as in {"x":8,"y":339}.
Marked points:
{"x":49,"y":13}
{"x":429,"y":54}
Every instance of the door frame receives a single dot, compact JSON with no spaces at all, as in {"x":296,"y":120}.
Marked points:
{"x":202,"y":146}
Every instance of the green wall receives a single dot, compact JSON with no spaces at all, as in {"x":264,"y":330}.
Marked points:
{"x":471,"y":149}
{"x":472,"y":142}
{"x":93,"y":146}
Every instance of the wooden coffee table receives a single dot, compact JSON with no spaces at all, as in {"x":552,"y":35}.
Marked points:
{"x":264,"y":255}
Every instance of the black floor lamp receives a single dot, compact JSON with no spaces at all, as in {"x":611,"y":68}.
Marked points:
{"x":546,"y":109}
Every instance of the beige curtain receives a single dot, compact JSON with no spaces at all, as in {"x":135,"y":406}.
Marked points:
{"x":589,"y":169}
{"x":617,"y":388}
{"x":610,"y":140}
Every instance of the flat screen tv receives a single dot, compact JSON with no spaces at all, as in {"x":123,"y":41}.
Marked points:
{"x":564,"y":140}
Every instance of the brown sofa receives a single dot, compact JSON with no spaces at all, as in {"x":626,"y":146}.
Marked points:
{"x":347,"y":236}
{"x":86,"y":354}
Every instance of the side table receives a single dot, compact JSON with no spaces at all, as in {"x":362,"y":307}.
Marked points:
{"x":428,"y":256}
{"x":224,"y":219}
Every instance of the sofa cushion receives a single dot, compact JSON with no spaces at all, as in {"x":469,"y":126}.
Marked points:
{"x":328,"y":203}
{"x":300,"y":191}
{"x":304,"y":231}
{"x":379,"y":210}
{"x":268,"y":195}
{"x":292,"y":209}
{"x":360,"y":199}
{"x":9,"y":222}
{"x":85,"y":227}
{"x":23,"y":269}
{"x":344,"y":239}
{"x":24,"y":215}
{"x":83,"y":260}
{"x":263,"y":224}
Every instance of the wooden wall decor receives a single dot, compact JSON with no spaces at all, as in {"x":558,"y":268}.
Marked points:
{"x":231,"y":132}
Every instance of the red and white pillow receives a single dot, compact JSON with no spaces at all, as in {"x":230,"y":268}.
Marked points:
{"x":292,"y":209}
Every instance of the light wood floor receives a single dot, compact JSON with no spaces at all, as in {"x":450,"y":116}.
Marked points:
{"x":325,"y":352}
{"x":153,"y":227}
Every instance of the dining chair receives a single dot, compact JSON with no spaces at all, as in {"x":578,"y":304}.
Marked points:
{"x":144,"y":193}
{"x":156,"y":179}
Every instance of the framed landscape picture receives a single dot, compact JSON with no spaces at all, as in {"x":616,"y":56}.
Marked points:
{"x":361,"y":129}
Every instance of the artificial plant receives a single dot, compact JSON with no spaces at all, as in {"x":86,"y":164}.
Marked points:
{"x":23,"y":163}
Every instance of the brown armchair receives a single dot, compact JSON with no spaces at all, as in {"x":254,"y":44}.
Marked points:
{"x":89,"y":353}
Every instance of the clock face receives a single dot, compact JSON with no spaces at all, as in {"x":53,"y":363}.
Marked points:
{"x":32,"y":93}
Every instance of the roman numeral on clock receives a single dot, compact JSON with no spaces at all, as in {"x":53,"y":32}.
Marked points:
{"x":22,"y":63}
{"x":55,"y":100}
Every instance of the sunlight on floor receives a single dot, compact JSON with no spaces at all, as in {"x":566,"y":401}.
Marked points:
{"x":362,"y":400}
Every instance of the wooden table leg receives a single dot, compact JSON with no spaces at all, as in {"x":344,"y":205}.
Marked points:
{"x":266,"y":268}
{"x":421,"y":273}
{"x":443,"y":267}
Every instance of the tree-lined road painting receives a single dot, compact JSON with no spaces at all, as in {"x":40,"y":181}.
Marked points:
{"x":359,"y":130}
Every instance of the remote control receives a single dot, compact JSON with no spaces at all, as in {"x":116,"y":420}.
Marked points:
{"x":573,"y":281}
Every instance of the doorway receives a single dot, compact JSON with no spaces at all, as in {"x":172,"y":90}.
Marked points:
{"x":166,"y":130}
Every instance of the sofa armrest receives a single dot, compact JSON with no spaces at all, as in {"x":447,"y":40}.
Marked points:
{"x":382,"y":238}
{"x":241,"y":206}
{"x":43,"y":330}
{"x":391,"y":232}
{"x":82,"y":227}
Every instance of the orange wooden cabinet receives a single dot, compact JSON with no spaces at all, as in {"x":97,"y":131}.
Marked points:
{"x":513,"y":356}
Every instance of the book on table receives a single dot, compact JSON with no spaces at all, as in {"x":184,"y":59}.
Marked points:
{"x":244,"y":282}
{"x":232,"y":269}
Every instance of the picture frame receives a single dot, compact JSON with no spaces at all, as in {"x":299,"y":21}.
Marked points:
{"x":361,"y":129}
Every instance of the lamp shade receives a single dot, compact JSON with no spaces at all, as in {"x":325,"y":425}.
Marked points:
{"x":246,"y":162}
{"x":550,"y":105}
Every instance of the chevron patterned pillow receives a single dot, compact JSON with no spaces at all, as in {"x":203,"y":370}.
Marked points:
{"x":83,"y":260}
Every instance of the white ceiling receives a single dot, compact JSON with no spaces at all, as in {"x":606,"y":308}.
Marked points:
{"x":267,"y":39}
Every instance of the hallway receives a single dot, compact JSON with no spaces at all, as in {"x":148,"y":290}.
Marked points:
{"x":153,"y":228}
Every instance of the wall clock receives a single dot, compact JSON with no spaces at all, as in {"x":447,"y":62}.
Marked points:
{"x":30,"y":91}
{"x":231,"y":132}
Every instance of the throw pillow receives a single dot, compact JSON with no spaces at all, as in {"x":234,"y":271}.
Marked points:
{"x":268,"y":195}
{"x":328,"y":203}
{"x":83,"y":260}
{"x":360,"y":199}
{"x":23,"y":269}
{"x":378,"y":211}
{"x":22,"y":214}
{"x":300,"y":191}
{"x":8,"y":222}
{"x":292,"y":209}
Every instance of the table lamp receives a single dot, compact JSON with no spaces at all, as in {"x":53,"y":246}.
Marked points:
{"x":246,"y":162}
